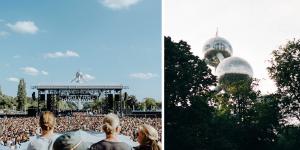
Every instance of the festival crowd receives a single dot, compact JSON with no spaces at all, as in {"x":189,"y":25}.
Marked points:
{"x":14,"y":131}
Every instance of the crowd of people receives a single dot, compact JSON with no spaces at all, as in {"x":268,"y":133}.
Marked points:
{"x":17,"y":130}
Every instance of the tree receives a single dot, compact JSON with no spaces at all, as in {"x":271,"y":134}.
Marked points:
{"x":0,"y":91}
{"x":187,"y":113}
{"x":6,"y":102}
{"x":190,"y":127}
{"x":289,"y":138}
{"x":141,"y":106}
{"x":284,"y":70}
{"x":266,"y":118}
{"x":158,"y":105}
{"x":242,"y":99}
{"x":21,"y":95}
{"x":98,"y":104}
{"x":131,"y":102}
{"x":71,"y":105}
{"x":150,"y":103}
{"x":185,"y":74}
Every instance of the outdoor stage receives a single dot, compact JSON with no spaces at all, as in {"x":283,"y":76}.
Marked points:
{"x":78,"y":93}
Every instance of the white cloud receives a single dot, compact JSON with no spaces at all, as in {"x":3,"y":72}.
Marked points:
{"x":13,"y":79}
{"x":88,"y":77}
{"x":71,"y":54}
{"x":3,"y":34}
{"x":68,"y":53}
{"x":144,"y":76}
{"x":30,"y":71}
{"x":24,"y":27}
{"x":118,"y":4}
{"x":44,"y":72}
{"x":16,"y":56}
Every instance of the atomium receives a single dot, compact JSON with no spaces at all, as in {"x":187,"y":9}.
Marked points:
{"x":233,"y":73}
{"x":216,"y":49}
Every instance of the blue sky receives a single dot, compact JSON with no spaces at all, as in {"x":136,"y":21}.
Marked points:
{"x":110,"y":41}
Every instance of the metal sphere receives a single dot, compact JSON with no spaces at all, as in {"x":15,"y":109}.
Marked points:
{"x":233,"y":69}
{"x":234,"y":74}
{"x":214,"y":46}
{"x":234,"y":65}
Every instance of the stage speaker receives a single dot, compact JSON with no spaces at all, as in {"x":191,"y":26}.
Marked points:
{"x":31,"y":112}
{"x":117,"y":97}
{"x":110,"y":99}
{"x":42,"y":97}
{"x":33,"y":96}
{"x":49,"y":97}
{"x":50,"y":102}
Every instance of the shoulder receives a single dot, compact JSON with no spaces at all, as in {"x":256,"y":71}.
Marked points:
{"x":142,"y":147}
{"x":96,"y":145}
{"x":107,"y":144}
{"x":39,"y":143}
{"x":123,"y":145}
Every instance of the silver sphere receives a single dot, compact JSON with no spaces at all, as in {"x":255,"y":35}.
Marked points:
{"x":234,"y":73}
{"x":234,"y":65}
{"x":216,"y":46}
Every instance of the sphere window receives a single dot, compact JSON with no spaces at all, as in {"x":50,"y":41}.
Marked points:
{"x":219,"y":46}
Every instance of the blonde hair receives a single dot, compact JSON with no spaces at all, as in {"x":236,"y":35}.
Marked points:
{"x":111,"y":122}
{"x":150,"y":137}
{"x":47,"y":121}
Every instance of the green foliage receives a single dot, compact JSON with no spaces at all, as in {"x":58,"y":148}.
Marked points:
{"x":31,"y":103}
{"x":187,"y":114}
{"x":238,"y":99}
{"x":7,"y":102}
{"x":131,"y":102}
{"x":97,"y":104}
{"x":235,"y":83}
{"x":62,"y":105}
{"x":158,"y":105}
{"x":150,"y":103}
{"x":87,"y":106}
{"x":254,"y":128}
{"x":289,"y":138}
{"x":185,"y":74}
{"x":189,"y":128}
{"x":21,"y":95}
{"x":284,"y":70}
{"x":141,"y":106}
{"x":71,"y":106}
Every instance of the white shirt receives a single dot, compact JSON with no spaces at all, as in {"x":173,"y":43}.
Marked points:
{"x":41,"y":143}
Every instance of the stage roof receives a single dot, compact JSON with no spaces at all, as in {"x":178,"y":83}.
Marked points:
{"x":74,"y":87}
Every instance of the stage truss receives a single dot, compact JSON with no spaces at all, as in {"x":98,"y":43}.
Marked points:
{"x":79,"y":93}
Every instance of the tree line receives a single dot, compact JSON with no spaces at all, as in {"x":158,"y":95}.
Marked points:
{"x":130,"y":104}
{"x":22,"y":103}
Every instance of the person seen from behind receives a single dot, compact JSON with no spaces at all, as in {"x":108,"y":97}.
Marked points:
{"x":147,"y":137}
{"x":45,"y":140}
{"x":111,"y":127}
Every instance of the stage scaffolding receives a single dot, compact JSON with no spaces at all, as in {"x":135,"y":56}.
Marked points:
{"x":49,"y":94}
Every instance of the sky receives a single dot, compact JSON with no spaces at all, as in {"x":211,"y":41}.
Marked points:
{"x":253,"y":27}
{"x":110,"y":41}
